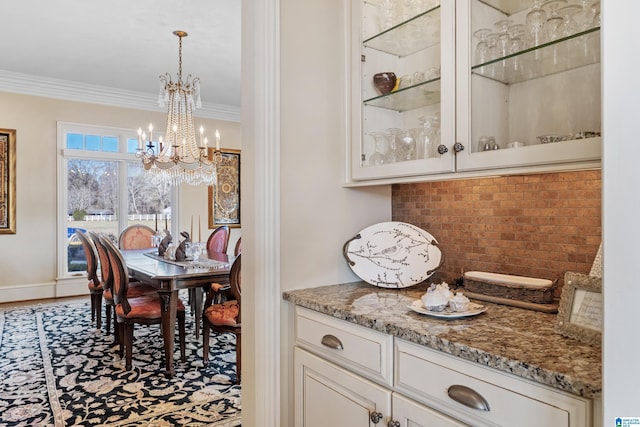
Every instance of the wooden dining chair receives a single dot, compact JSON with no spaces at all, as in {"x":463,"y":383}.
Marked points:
{"x":218,"y":240}
{"x":136,"y":236}
{"x":145,"y":309}
{"x":224,"y":317}
{"x":238,"y":249}
{"x":94,"y":284}
{"x":135,"y":289}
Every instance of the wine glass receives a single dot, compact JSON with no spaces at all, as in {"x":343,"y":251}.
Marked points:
{"x":381,"y":144}
{"x":482,"y":48}
{"x":584,"y":16}
{"x":388,"y":13}
{"x":595,"y":7}
{"x":534,"y":25}
{"x":568,"y":25}
{"x":502,"y":27}
{"x":516,"y":34}
{"x":554,"y":22}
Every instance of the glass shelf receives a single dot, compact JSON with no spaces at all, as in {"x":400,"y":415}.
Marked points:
{"x":409,"y":98}
{"x":408,"y":37}
{"x":560,"y":55}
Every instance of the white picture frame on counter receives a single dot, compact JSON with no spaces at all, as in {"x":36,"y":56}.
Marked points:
{"x":580,"y":309}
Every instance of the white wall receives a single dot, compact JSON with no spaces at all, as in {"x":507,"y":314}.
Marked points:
{"x":294,"y":126}
{"x":621,"y":227}
{"x":34,"y":244}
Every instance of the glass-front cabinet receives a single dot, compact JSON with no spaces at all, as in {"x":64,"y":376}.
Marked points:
{"x":474,"y":87}
{"x":405,"y":84}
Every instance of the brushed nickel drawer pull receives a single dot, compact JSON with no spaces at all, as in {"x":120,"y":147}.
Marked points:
{"x":332,"y":342}
{"x":468,"y":397}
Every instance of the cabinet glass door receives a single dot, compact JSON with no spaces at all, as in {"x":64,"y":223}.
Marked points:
{"x":528,"y":83}
{"x":403,"y":56}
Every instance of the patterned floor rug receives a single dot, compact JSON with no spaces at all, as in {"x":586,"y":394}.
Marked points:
{"x":56,"y":369}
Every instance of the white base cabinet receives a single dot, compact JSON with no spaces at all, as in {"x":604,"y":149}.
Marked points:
{"x":338,"y":384}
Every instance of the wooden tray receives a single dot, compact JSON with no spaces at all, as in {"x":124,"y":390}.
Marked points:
{"x":545,"y":308}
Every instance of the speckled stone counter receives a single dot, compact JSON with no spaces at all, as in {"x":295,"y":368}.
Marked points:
{"x":521,"y":342}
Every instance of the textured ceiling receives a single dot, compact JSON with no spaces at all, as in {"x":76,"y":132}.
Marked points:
{"x":125,"y":44}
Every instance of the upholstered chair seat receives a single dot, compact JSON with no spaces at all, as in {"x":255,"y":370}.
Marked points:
{"x":224,"y":317}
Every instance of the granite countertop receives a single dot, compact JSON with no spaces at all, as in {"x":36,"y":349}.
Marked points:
{"x":514,"y":340}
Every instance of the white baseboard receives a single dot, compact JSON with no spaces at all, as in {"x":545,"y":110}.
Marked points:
{"x":27,"y":292}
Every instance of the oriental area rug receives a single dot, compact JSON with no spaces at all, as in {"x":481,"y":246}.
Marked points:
{"x":57,"y":369}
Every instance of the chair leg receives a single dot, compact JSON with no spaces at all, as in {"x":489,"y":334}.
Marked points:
{"x":206,"y":332}
{"x":128,"y":344}
{"x":181,"y":333}
{"x":98,"y":296}
{"x":197,"y":306}
{"x":107,"y":312}
{"x":116,"y":333}
{"x":119,"y":333}
{"x":238,"y":357}
{"x":93,"y":307}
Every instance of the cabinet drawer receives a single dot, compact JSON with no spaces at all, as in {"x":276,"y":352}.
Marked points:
{"x":438,"y":380}
{"x":363,"y":350}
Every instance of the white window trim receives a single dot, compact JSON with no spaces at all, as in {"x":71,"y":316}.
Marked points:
{"x":63,"y":128}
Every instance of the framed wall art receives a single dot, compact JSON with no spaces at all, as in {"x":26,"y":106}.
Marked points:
{"x":580,"y":310}
{"x":7,"y":181}
{"x":224,"y":195}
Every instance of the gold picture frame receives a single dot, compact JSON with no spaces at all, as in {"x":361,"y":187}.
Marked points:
{"x":580,"y":309}
{"x":224,"y":195}
{"x":7,"y":181}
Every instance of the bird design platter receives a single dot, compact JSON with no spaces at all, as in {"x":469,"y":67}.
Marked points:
{"x":393,"y":254}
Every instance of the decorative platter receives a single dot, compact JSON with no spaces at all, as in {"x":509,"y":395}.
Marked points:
{"x":472,"y":310}
{"x":393,"y":255}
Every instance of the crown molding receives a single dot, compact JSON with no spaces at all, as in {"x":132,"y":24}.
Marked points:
{"x":28,"y":84}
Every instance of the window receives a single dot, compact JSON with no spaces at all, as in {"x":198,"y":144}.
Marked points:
{"x":100,"y":178}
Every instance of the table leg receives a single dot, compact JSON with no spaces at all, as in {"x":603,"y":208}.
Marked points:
{"x":169,"y":308}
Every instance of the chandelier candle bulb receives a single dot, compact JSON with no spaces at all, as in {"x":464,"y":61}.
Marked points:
{"x":150,"y":132}
{"x":217,"y":140}
{"x":201,"y":136}
{"x":140,"y":146}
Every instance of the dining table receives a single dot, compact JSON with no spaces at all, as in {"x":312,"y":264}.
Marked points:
{"x":169,"y":277}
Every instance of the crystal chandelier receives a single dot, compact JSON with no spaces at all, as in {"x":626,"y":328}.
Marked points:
{"x":181,"y":158}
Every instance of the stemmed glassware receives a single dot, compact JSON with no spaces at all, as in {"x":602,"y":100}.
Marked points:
{"x":584,"y":16}
{"x":387,"y":13}
{"x":534,"y":25}
{"x":568,"y":25}
{"x":516,"y":34}
{"x":482,"y":48}
{"x":381,"y":150}
{"x":503,"y":41}
{"x":554,"y":22}
{"x":595,"y":7}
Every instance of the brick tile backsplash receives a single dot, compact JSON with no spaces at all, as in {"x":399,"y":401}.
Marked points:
{"x":528,"y":225}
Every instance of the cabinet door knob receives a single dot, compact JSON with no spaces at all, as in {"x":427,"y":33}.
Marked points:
{"x":468,"y":397}
{"x":375,"y":417}
{"x":393,"y":423}
{"x":442,"y":149}
{"x":458,"y":147}
{"x":332,"y":342}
